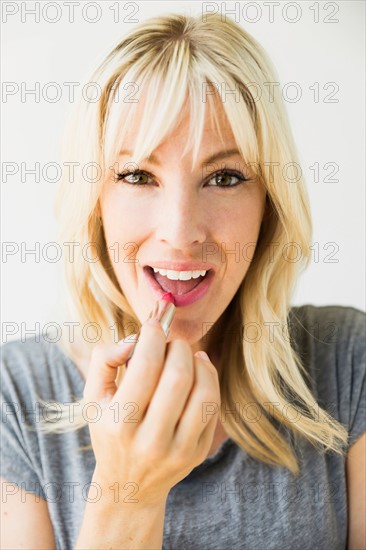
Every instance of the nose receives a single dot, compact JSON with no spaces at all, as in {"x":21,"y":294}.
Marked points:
{"x":181,"y":219}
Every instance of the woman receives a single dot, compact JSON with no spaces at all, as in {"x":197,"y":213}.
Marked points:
{"x":261,"y":443}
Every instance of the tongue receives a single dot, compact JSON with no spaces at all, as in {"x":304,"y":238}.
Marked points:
{"x":176,"y":287}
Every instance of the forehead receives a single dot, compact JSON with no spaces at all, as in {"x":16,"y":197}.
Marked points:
{"x":164,"y":112}
{"x":216,"y":127}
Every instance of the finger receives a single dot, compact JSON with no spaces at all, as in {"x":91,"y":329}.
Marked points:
{"x":206,"y":438}
{"x":102,"y":370}
{"x":169,"y":399}
{"x":203,"y":405}
{"x":144,"y":369}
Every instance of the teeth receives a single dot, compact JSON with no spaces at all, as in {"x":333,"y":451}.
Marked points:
{"x":180,"y":275}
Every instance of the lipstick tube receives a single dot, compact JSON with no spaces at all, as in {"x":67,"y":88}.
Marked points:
{"x":163,"y":311}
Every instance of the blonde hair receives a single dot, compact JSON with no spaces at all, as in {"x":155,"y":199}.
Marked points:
{"x":172,"y":60}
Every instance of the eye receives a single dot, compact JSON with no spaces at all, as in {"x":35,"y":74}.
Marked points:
{"x":139,"y":178}
{"x":223,"y":178}
{"x":134,"y":177}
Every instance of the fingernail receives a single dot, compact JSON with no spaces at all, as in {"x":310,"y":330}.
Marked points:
{"x":202,"y":355}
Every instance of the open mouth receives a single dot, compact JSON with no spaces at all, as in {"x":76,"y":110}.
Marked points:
{"x":176,"y":287}
{"x":184,"y":291}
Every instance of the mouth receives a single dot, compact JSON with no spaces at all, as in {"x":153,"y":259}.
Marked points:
{"x":184,"y":292}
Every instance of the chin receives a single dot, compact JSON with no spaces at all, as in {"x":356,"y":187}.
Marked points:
{"x":188,"y":330}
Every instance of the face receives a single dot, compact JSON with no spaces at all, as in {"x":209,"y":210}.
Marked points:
{"x":173,"y":217}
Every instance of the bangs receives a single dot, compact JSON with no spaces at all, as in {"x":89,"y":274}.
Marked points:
{"x":161,"y":94}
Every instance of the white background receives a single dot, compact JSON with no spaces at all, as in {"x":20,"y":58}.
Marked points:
{"x":305,"y":52}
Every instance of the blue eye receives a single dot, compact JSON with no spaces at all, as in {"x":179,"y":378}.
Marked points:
{"x":135,"y":178}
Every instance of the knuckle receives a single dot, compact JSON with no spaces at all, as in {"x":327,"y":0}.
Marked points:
{"x":98,"y":352}
{"x":179,"y":377}
{"x":148,"y":361}
{"x":149,"y":327}
{"x":179,"y":362}
{"x":114,"y":430}
{"x":179,"y":348}
{"x":182,"y":453}
{"x":150,"y":448}
{"x":205,"y":396}
{"x":181,"y":344}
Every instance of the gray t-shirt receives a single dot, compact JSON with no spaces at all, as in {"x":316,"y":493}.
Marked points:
{"x":230,"y":500}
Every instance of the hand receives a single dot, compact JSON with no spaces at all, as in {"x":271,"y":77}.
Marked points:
{"x":152,"y":431}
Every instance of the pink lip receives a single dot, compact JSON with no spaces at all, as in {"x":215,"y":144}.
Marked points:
{"x":183,"y":299}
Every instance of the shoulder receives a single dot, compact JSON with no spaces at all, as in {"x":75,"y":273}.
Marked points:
{"x":35,"y":367}
{"x":329,"y":323}
{"x":330,"y":341}
{"x":18,"y":352}
{"x":328,"y":332}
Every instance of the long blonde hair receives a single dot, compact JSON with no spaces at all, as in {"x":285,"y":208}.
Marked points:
{"x":178,"y":60}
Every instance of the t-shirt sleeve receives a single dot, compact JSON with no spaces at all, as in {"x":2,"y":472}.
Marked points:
{"x":19,"y":442}
{"x":357,"y":381}
{"x":331,"y":341}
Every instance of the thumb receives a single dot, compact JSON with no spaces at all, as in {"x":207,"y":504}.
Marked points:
{"x":103,"y":368}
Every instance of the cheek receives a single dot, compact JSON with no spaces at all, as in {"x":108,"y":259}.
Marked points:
{"x":236,"y":232}
{"x":131,"y":218}
{"x":124,"y":217}
{"x":240,"y":223}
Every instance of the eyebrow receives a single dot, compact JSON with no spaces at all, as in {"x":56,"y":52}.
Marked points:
{"x":216,"y":156}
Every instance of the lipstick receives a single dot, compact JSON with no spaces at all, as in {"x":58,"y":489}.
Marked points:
{"x":163,"y":311}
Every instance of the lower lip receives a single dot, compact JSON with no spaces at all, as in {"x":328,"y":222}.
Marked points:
{"x":182,"y":299}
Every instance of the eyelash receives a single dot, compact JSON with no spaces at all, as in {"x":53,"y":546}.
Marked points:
{"x":120,"y":176}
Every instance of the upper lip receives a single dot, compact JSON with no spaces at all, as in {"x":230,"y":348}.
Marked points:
{"x":182,"y":266}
